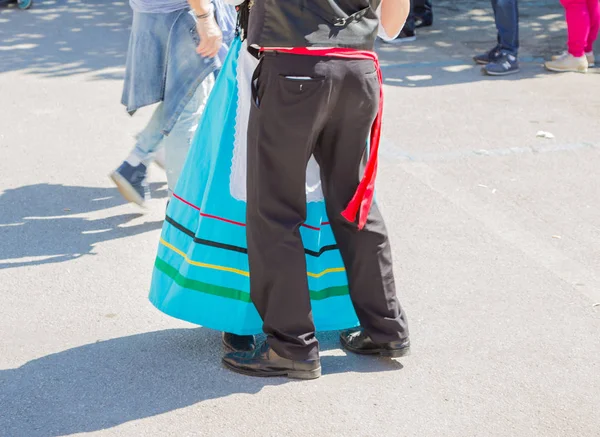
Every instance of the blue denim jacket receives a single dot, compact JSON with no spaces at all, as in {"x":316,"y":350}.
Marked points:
{"x":162,"y":63}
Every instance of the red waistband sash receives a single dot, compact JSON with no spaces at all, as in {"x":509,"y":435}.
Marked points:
{"x":363,"y":197}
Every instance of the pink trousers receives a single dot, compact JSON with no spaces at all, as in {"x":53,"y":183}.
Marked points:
{"x":583,"y":22}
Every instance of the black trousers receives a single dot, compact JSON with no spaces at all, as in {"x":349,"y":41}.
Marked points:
{"x":422,"y":9}
{"x":304,"y":105}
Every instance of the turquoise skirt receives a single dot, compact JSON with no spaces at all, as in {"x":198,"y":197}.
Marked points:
{"x":201,"y":272}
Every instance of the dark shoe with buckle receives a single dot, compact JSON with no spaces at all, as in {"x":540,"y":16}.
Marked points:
{"x":238,"y":343}
{"x":265,"y":362}
{"x":359,"y":342}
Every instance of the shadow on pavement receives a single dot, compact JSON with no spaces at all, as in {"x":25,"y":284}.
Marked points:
{"x":41,"y":221}
{"x":442,"y":54}
{"x":349,"y":362}
{"x":108,"y":383}
{"x":65,"y":37}
{"x":105,"y":384}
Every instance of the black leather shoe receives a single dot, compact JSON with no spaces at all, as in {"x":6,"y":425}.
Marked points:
{"x":424,"y":20}
{"x":238,"y":343}
{"x":264,"y":361}
{"x":359,"y":342}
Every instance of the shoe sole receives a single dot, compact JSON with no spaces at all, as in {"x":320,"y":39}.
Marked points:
{"x":126,"y":190}
{"x":493,"y":73}
{"x":397,"y":353}
{"x":589,"y":65}
{"x":558,"y":70}
{"x":480,"y":62}
{"x":293,"y":374}
{"x":402,"y":40}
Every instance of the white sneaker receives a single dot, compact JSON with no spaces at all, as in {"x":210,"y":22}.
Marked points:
{"x":568,"y":63}
{"x":562,"y":55}
{"x":589,"y":56}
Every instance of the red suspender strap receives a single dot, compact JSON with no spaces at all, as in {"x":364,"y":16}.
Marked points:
{"x":362,"y":200}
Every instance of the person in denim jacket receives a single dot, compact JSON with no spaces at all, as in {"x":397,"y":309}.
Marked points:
{"x":174,"y":49}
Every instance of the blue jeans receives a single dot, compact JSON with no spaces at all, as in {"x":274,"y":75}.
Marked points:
{"x":506,"y":13}
{"x":177,"y":143}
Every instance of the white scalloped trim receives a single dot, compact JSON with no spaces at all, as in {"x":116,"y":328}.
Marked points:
{"x":245,"y":68}
{"x":314,"y":190}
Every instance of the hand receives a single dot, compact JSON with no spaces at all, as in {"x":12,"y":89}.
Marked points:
{"x":211,"y":37}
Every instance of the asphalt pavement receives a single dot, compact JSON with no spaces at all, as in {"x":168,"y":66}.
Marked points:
{"x":495,"y":232}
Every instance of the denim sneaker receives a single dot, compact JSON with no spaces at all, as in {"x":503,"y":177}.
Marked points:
{"x":487,"y":57}
{"x":132,"y":183}
{"x":506,"y":64}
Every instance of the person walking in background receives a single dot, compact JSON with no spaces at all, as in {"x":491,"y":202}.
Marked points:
{"x":583,"y":22}
{"x":503,"y":58}
{"x":421,"y":15}
{"x":171,"y":60}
